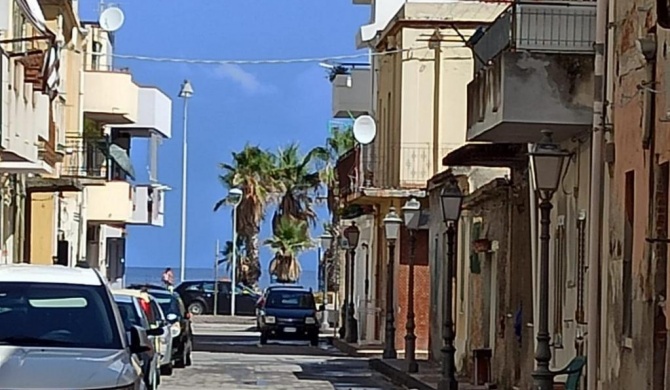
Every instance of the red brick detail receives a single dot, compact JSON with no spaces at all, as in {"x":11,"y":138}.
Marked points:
{"x":421,"y":290}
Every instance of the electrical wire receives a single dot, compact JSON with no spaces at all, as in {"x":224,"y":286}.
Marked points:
{"x":251,"y":62}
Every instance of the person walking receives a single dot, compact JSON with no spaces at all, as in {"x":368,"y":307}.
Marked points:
{"x":168,"y":278}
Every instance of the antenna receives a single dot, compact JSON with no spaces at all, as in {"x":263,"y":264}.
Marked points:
{"x":111,"y":19}
{"x":365,"y":129}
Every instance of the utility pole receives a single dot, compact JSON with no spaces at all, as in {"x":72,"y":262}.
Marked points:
{"x":216,"y":278}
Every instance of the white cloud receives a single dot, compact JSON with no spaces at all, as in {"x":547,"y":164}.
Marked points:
{"x":247,"y":81}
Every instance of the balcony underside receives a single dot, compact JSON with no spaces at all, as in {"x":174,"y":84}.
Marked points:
{"x":518,"y":132}
{"x":110,"y":97}
{"x":373,"y":196}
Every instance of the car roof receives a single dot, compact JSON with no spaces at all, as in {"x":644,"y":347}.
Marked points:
{"x":129,"y":292}
{"x":56,"y":274}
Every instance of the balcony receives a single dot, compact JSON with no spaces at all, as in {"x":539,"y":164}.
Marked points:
{"x":110,"y":97}
{"x":148,"y":206}
{"x":87,"y":159}
{"x":109,"y":203}
{"x":154,"y":114}
{"x":368,"y":172}
{"x":24,"y":117}
{"x":352,"y":92}
{"x":534,"y":72}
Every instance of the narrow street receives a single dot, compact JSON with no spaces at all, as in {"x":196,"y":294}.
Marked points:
{"x":228,"y":356}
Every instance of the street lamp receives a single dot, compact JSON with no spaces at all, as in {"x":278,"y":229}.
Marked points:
{"x":547,"y":161}
{"x":392,"y":224}
{"x":451,"y":201}
{"x":326,"y":240}
{"x":185,"y":93}
{"x":235,"y":198}
{"x":412,"y":213}
{"x":352,"y":234}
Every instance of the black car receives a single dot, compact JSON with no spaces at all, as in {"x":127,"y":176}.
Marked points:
{"x":289,"y":313}
{"x":198,"y":296}
{"x":180,"y":319}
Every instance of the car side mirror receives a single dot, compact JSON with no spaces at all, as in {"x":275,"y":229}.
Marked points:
{"x":171,"y":317}
{"x":322,"y":307}
{"x":139,"y":340}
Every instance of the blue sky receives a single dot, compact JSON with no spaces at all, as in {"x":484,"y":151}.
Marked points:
{"x":270,"y":105}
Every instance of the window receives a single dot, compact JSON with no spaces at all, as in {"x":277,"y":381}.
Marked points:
{"x":18,"y":22}
{"x":168,"y":303}
{"x":129,"y":314}
{"x":628,"y":233}
{"x":291,"y":300}
{"x":55,"y":315}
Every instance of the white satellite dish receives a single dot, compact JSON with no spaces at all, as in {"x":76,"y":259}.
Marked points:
{"x":111,"y":19}
{"x":365,"y":129}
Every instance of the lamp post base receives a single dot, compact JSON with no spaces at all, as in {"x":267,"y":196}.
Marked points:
{"x":543,"y":380}
{"x":352,"y":326}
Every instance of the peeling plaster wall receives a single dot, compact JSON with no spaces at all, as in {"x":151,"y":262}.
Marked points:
{"x":629,"y":361}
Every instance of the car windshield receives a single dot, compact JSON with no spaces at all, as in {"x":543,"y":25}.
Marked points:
{"x":290,"y":300}
{"x":167,"y":302}
{"x":57,"y":315}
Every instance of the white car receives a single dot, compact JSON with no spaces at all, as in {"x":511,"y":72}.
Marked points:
{"x":60,"y":329}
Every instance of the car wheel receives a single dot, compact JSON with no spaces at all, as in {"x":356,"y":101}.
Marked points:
{"x":264,"y":338}
{"x":196,"y":308}
{"x":314,"y":340}
{"x":167,"y":369}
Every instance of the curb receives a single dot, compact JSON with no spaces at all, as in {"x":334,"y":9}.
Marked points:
{"x":346,"y":348}
{"x":398,"y":377}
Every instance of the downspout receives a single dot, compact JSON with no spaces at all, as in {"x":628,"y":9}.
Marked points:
{"x":595,"y":196}
{"x":81,"y":231}
{"x":533,"y":248}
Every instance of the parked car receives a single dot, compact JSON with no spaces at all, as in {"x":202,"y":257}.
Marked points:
{"x":262,"y":297}
{"x":289,"y":313}
{"x":198,"y":295}
{"x":180,"y":325}
{"x":132,"y":315}
{"x":60,"y":329}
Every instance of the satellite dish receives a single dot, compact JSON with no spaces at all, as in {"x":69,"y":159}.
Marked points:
{"x":365,"y":129}
{"x":111,"y":19}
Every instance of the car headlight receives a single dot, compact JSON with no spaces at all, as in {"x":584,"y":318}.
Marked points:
{"x":270,"y":319}
{"x":310,"y":320}
{"x":175,"y":329}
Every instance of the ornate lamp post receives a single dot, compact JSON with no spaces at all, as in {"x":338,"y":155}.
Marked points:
{"x":326,"y":240}
{"x":412,"y":213}
{"x":451,"y":200}
{"x":392,"y":224}
{"x":352,"y":234}
{"x":547,"y":161}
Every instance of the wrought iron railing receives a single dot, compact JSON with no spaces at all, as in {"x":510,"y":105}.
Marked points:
{"x":84,"y":158}
{"x":407,"y":166}
{"x":553,"y":27}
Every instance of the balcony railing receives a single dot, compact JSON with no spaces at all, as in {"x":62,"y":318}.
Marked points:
{"x":84,"y":158}
{"x":406,"y":167}
{"x":550,"y":27}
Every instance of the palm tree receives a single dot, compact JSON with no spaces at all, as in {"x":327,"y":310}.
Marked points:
{"x":247,"y":272}
{"x":297,"y":179}
{"x":290,"y":238}
{"x":250,"y":171}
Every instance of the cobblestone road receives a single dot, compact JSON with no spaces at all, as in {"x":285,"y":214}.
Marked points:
{"x":229,"y":357}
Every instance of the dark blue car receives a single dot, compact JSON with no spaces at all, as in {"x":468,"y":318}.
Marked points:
{"x":289,"y":314}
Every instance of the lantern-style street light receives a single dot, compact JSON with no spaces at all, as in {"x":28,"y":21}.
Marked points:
{"x":451,"y":201}
{"x":392,"y":224}
{"x":547,"y":160}
{"x":412,"y":214}
{"x":352,"y":234}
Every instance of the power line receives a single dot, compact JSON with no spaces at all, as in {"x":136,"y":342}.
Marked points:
{"x":251,"y":62}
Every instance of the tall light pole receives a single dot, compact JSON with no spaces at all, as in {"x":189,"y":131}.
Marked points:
{"x":392,"y":224}
{"x":352,"y":234}
{"x":547,"y":161}
{"x":451,"y":200}
{"x":235,"y":198}
{"x":185,"y":93}
{"x":412,"y":214}
{"x":326,"y":242}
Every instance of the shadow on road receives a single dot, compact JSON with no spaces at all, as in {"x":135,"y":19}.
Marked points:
{"x":244,"y":344}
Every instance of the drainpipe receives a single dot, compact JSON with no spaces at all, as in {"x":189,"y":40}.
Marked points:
{"x":82,"y":244}
{"x":595,"y":195}
{"x":533,"y":247}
